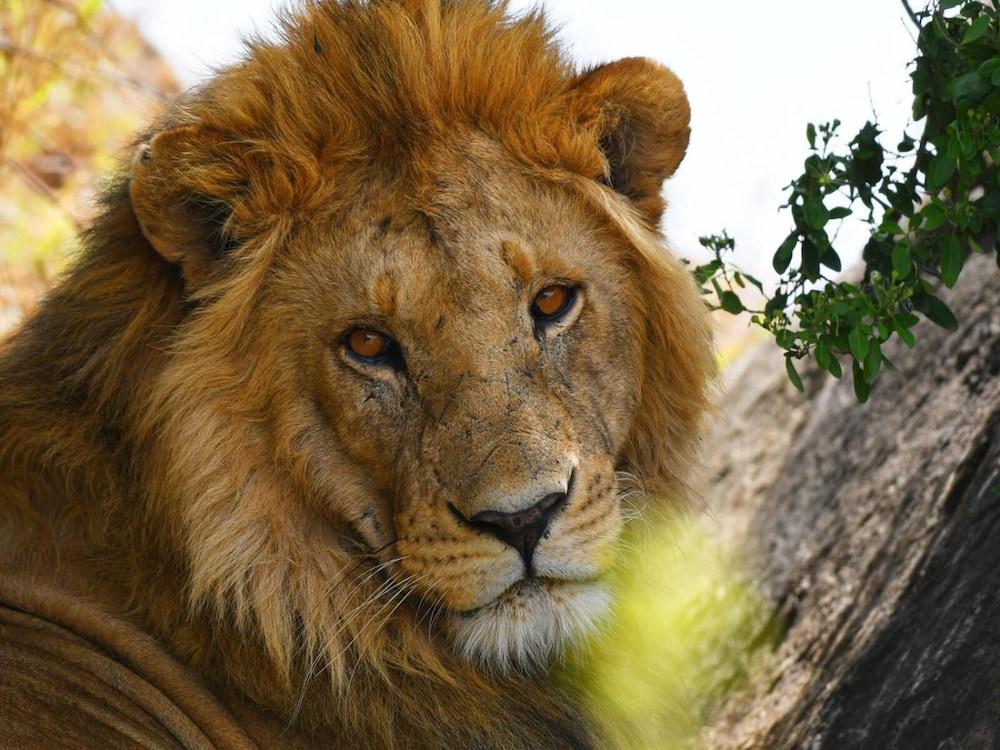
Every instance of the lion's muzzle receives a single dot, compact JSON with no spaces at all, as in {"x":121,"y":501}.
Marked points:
{"x":521,"y":529}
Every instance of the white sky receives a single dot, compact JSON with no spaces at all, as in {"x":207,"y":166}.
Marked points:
{"x":755,"y":72}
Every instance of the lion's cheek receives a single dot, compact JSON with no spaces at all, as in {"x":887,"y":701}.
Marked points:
{"x":581,"y":546}
{"x":458,"y":575}
{"x":365,"y":431}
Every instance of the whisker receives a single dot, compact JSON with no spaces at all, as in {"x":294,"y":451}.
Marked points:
{"x":402,"y":594}
{"x":313,"y":663}
{"x":387,"y":585}
{"x":402,"y":587}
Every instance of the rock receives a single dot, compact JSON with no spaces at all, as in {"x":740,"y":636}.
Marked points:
{"x":873,"y":532}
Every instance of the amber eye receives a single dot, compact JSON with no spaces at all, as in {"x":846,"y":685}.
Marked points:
{"x":553,"y":302}
{"x":368,"y":344}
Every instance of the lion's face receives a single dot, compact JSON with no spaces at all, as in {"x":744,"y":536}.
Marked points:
{"x":474,"y":365}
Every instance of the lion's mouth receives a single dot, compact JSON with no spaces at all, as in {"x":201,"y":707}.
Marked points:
{"x":529,"y":624}
{"x":524,"y":588}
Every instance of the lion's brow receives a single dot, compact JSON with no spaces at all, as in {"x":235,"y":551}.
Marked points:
{"x":383,"y":295}
{"x":519,"y":260}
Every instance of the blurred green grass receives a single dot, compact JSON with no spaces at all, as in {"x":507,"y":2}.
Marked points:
{"x":683,"y":636}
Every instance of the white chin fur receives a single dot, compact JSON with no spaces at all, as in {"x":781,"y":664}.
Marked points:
{"x":529,"y":625}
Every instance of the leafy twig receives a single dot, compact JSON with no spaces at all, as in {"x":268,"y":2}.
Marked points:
{"x":924,"y":186}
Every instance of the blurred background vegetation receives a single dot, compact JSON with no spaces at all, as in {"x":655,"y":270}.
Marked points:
{"x":76,"y":82}
{"x":687,"y":631}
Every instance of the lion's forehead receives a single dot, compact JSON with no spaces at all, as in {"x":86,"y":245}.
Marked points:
{"x":443,"y":276}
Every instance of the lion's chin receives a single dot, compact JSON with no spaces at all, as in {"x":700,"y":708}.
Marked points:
{"x":529,"y":624}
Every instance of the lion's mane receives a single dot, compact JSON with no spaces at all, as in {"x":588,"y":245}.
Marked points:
{"x":132,"y":453}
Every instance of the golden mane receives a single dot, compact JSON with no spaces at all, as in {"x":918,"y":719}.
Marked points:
{"x":351,"y":83}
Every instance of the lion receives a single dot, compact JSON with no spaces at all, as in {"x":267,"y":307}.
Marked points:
{"x":323,"y":440}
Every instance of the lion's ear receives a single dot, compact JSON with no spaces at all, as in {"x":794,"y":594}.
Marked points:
{"x":641,"y":116}
{"x":182,"y":187}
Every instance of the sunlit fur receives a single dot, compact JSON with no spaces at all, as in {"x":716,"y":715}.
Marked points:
{"x":182,"y":439}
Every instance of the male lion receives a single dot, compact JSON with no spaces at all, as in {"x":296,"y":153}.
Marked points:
{"x":319,"y":442}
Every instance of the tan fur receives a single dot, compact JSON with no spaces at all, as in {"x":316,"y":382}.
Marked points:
{"x":184,"y":439}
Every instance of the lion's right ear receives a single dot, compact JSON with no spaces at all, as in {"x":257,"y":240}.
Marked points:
{"x":640,"y":116}
{"x":183,"y":184}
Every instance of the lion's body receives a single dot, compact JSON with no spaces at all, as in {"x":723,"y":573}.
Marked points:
{"x":72,"y":675}
{"x":277,"y":533}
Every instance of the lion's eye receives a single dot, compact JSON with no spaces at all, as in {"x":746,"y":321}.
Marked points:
{"x":367,"y":344}
{"x":552,"y":303}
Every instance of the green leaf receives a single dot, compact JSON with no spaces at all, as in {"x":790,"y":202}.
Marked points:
{"x":816,"y":213}
{"x":938,"y":312}
{"x":934,"y":216}
{"x":905,"y":335}
{"x":827,"y":359}
{"x":783,"y":258}
{"x":707,"y":271}
{"x":811,"y":135}
{"x":840,"y":212}
{"x":822,"y":354}
{"x":970,"y":86}
{"x":858,"y":343}
{"x":862,"y":390}
{"x":976,"y":29}
{"x":902,"y":260}
{"x":831,"y":260}
{"x":753,"y":280}
{"x":776,"y":304}
{"x":793,"y":375}
{"x":731,"y":303}
{"x":947,"y":4}
{"x":810,"y":259}
{"x":941,"y":170}
{"x":991,"y":202}
{"x":873,"y":362}
{"x":992,"y":102}
{"x":835,"y":369}
{"x":952,"y":259}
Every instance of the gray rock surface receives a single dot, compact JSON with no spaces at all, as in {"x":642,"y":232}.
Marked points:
{"x":873,"y":532}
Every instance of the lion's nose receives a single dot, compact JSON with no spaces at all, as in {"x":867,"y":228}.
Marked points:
{"x":524,"y":528}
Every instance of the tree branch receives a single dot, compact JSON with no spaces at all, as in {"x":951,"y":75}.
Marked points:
{"x":911,"y":14}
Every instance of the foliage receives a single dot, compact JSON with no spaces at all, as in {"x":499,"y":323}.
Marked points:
{"x":686,"y":632}
{"x":75,"y":80}
{"x":929,"y":203}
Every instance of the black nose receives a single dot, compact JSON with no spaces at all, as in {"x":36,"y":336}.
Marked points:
{"x":523,"y":529}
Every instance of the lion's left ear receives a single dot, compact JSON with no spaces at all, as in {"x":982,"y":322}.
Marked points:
{"x":641,"y":116}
